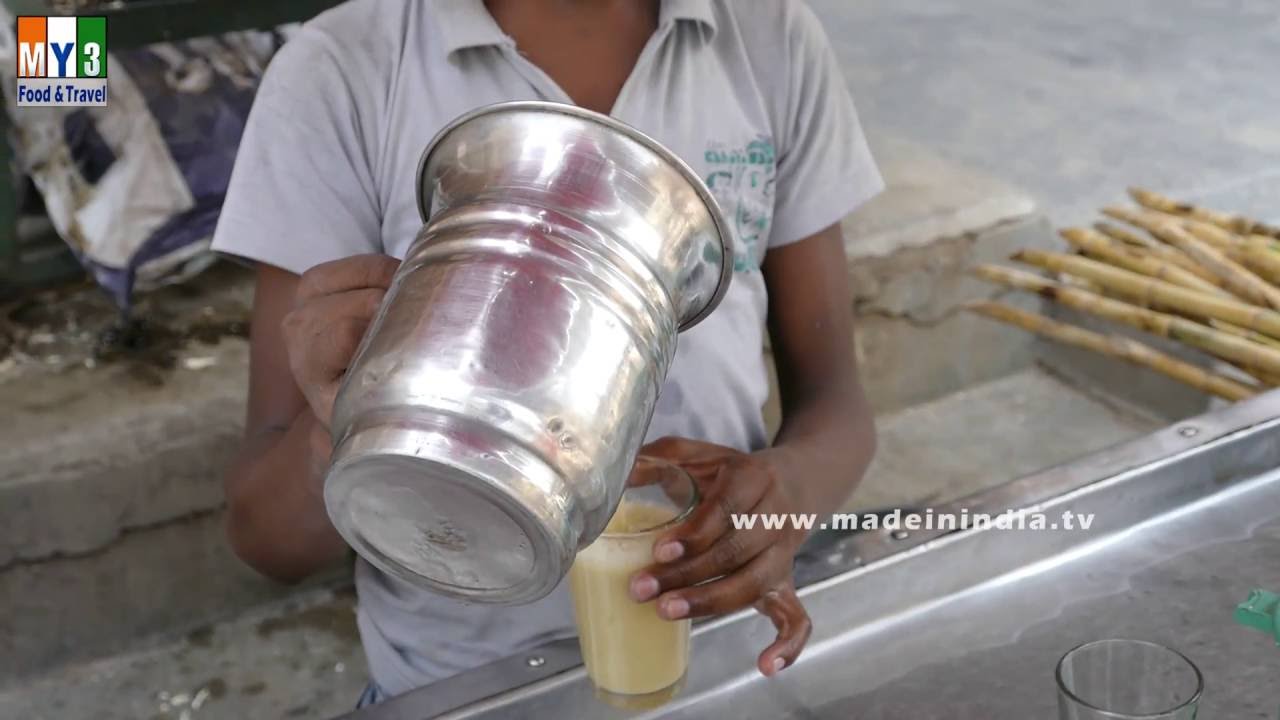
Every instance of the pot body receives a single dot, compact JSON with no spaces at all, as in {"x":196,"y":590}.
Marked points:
{"x":489,"y":421}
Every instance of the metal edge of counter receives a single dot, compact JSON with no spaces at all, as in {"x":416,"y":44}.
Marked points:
{"x":1209,"y":438}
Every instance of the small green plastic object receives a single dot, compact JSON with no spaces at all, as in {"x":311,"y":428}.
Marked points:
{"x":1261,"y":612}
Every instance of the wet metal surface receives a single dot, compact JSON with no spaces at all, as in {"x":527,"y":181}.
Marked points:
{"x":1175,"y":583}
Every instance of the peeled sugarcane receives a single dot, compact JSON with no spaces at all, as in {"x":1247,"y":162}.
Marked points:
{"x":1217,"y":343}
{"x":1165,"y":252}
{"x":1236,"y":278}
{"x":1149,"y":290}
{"x":1117,"y":347}
{"x":1234,"y":223}
{"x":1104,"y":248}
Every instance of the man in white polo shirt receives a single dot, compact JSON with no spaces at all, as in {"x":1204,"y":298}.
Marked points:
{"x":323,"y":200}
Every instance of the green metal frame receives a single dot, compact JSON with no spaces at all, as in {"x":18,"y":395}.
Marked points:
{"x":42,"y":260}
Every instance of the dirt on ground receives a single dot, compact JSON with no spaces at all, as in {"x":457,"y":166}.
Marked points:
{"x":77,"y":325}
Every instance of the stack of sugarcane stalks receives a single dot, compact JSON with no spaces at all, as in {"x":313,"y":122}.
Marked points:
{"x":1203,"y":278}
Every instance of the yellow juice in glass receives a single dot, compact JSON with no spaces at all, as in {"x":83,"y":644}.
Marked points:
{"x":628,"y":650}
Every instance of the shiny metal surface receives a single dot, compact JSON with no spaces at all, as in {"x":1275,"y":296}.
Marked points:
{"x":971,"y":624}
{"x":488,"y":422}
{"x":635,"y":200}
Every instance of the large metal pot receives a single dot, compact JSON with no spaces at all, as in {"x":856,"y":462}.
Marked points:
{"x":487,"y":425}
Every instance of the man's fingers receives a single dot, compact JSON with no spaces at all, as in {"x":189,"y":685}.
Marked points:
{"x":700,"y":531}
{"x":734,"y":491}
{"x":787,"y":613}
{"x":358,"y":272}
{"x":728,"y":594}
{"x":319,"y":365}
{"x":321,"y":339}
{"x":684,"y":451}
{"x":325,"y":351}
{"x":323,"y":335}
{"x":730,"y":552}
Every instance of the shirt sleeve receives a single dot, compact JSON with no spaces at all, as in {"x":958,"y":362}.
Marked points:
{"x":302,"y":190}
{"x":825,"y":169}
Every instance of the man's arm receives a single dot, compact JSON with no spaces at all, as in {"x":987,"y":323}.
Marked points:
{"x":304,"y":331}
{"x":276,"y":518}
{"x":827,"y":436}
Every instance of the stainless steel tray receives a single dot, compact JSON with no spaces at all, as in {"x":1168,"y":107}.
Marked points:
{"x":970,"y":624}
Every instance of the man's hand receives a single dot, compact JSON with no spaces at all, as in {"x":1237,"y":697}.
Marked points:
{"x":707,"y":567}
{"x":334,"y":304}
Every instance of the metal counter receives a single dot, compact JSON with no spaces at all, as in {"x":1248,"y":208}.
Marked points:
{"x":970,"y":624}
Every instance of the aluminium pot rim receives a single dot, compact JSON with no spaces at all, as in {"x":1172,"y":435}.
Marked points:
{"x":631,"y":133}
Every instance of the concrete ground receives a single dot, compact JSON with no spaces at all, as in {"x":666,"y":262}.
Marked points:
{"x":1074,"y":101}
{"x":935,"y":452}
{"x":295,"y":659}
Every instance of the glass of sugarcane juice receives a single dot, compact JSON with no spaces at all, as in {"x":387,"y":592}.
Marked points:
{"x":635,"y":658}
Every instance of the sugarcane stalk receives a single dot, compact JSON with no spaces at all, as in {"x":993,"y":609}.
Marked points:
{"x":1215,"y":342}
{"x":1118,"y":347}
{"x":1222,"y":239}
{"x":1078,"y":282}
{"x":1235,"y":223}
{"x":1243,"y":375}
{"x":1263,"y":377}
{"x":1115,"y":232}
{"x":1164,"y":252}
{"x":1250,"y":335}
{"x":1104,"y":248}
{"x":1262,"y":242}
{"x":1256,"y":252}
{"x":1236,"y":278}
{"x":1263,"y":261}
{"x":1149,"y":290}
{"x":1212,"y":233}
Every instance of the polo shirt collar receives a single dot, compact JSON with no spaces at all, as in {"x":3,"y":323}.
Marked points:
{"x":699,"y":11}
{"x":467,"y":23}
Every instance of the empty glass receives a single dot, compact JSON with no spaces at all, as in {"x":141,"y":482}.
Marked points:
{"x":1127,"y":680}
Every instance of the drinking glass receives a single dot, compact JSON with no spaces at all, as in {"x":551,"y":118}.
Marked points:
{"x":1125,"y":680}
{"x":636,"y":659}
